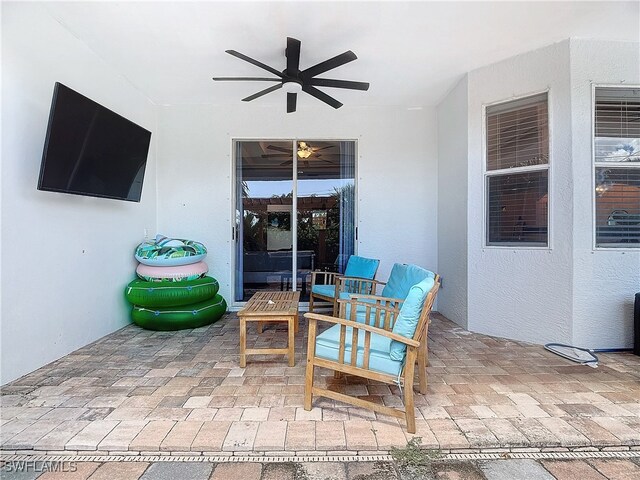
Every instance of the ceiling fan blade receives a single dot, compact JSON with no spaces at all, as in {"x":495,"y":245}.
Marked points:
{"x":328,"y":82}
{"x":323,"y":148}
{"x":262,"y":92}
{"x":252,"y":79}
{"x":330,"y":64}
{"x":293,"y":56}
{"x":288,"y":162}
{"x":274,"y":155}
{"x":255,"y":62}
{"x":291,"y":102}
{"x":323,"y":97}
{"x":279,"y":149}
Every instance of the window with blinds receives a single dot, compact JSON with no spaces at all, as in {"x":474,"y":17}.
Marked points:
{"x":517,"y":172}
{"x":617,"y":167}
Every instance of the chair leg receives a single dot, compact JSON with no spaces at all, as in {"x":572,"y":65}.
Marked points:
{"x":409,"y":406}
{"x":311,"y":302}
{"x":422,"y":367}
{"x":335,"y":306}
{"x":308,"y":378}
{"x":426,"y":353}
{"x":337,"y":374}
{"x":426,"y":344}
{"x":308,"y":385}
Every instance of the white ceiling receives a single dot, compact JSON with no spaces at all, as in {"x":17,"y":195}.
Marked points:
{"x":412,"y":53}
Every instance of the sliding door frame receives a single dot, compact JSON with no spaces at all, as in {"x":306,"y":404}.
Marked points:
{"x":236,"y":305}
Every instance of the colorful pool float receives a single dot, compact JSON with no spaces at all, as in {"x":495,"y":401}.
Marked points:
{"x":170,"y":294}
{"x":165,"y":252}
{"x":179,"y":273}
{"x":177,"y":318}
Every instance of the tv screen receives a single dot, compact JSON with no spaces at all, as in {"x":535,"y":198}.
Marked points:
{"x":91,"y":150}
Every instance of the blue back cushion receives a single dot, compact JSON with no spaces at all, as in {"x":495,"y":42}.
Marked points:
{"x":402,"y":278}
{"x":407,"y":320}
{"x":361,"y":267}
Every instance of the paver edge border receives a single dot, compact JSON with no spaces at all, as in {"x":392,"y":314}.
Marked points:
{"x":243,"y":458}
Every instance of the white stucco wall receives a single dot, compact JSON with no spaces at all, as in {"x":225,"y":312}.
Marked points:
{"x":605,"y":281}
{"x":65,"y":258}
{"x":452,"y":203}
{"x":397,"y":175}
{"x":569,"y":292}
{"x":523,"y":293}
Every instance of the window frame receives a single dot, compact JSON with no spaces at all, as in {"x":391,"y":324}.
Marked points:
{"x":595,"y":165}
{"x":486,"y":173}
{"x":232,"y":140}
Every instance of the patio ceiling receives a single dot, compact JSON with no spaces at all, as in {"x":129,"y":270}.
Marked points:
{"x":412,"y":53}
{"x":324,"y":164}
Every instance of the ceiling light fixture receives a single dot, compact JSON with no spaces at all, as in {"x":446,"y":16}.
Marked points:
{"x":304,"y":150}
{"x":601,"y":189}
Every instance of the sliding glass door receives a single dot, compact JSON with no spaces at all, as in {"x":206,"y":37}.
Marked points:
{"x":318,"y":184}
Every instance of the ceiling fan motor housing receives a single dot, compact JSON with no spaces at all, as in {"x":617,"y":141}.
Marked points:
{"x":292,"y":86}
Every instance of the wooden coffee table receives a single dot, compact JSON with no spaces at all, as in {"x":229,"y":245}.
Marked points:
{"x":269,"y":307}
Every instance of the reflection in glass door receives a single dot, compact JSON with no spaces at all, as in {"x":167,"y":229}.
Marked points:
{"x":318,"y":183}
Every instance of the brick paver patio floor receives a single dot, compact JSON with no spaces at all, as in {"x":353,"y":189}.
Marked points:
{"x":143,"y":391}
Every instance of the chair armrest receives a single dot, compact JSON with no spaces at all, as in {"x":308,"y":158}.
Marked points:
{"x":362,"y":326}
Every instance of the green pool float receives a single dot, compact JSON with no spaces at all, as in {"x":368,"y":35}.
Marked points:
{"x":176,"y":318}
{"x":170,"y":294}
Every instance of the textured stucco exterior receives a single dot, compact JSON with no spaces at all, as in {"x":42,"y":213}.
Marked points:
{"x":452,"y":203}
{"x":66,"y":258}
{"x":569,"y":292}
{"x":604,"y":280}
{"x":397,"y":176}
{"x":523,"y":293}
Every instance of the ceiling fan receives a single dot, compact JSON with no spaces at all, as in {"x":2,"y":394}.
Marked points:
{"x":305,"y":151}
{"x":295,"y":80}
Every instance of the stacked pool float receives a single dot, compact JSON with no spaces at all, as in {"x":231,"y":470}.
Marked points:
{"x":173,"y":290}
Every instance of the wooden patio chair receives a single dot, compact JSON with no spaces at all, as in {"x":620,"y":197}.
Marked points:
{"x":386,"y":348}
{"x":358,"y":278}
{"x":402,"y":277}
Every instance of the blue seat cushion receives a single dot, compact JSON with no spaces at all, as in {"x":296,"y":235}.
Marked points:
{"x":402,"y":278}
{"x":407,"y":320}
{"x":324,"y":290}
{"x":361,"y":267}
{"x":328,"y":345}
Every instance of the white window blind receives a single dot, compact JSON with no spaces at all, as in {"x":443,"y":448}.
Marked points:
{"x":617,"y":167}
{"x":517,"y":183}
{"x":518,"y":133}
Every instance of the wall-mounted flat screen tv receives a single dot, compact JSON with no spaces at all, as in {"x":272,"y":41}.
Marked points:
{"x":91,"y":150}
